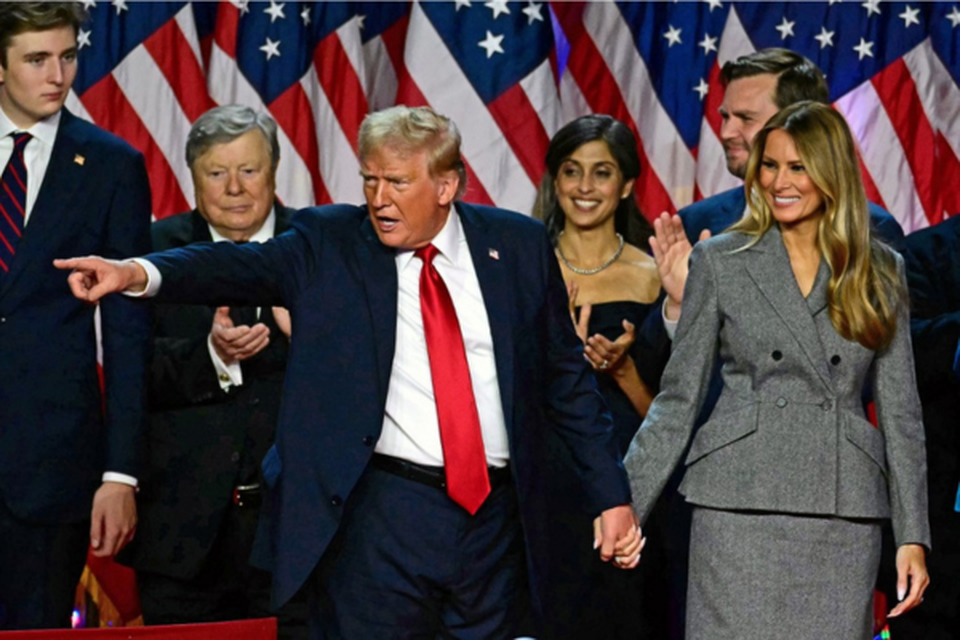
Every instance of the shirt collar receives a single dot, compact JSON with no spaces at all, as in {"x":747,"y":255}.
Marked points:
{"x":45,"y":131}
{"x":264,"y":233}
{"x":448,"y":242}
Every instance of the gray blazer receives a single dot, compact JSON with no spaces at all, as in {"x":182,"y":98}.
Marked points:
{"x":788,"y":434}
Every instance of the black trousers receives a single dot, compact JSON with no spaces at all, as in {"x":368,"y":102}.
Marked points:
{"x":227,"y":587}
{"x":40,"y":565}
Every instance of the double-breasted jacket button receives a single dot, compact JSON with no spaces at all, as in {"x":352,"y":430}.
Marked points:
{"x":777,"y":355}
{"x":781,"y":402}
{"x":368,"y":441}
{"x":826,"y":405}
{"x":336,"y":501}
{"x":835,"y":360}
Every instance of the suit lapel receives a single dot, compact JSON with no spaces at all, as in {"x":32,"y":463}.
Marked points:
{"x":773,"y":275}
{"x":378,"y":268}
{"x":51,"y":217}
{"x":492,"y":266}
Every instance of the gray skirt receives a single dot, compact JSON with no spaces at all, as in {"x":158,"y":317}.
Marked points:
{"x":762,"y":576}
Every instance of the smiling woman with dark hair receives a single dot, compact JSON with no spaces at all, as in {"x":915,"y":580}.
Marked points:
{"x":588,"y":203}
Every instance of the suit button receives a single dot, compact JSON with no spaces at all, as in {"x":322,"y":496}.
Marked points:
{"x":776,"y":355}
{"x":254,"y":402}
{"x":235,"y":456}
{"x":835,"y":360}
{"x":368,"y":441}
{"x":336,"y":501}
{"x":781,"y":402}
{"x":826,"y":405}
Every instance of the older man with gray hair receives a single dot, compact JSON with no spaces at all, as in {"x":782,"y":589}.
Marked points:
{"x":214,"y":394}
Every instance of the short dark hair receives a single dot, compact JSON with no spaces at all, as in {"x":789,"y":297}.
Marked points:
{"x":21,"y":17}
{"x":628,"y":220}
{"x":798,"y":78}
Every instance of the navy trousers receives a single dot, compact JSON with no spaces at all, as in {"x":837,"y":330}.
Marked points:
{"x":408,"y":562}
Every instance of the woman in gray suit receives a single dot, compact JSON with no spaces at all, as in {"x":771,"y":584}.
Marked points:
{"x":789,"y":480}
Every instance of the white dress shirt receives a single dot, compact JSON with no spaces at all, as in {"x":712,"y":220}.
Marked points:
{"x":411,"y":430}
{"x":231,"y":375}
{"x":36,"y":155}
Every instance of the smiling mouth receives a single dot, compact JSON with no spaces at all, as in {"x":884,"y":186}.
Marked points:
{"x":783,"y":202}
{"x":586,"y":204}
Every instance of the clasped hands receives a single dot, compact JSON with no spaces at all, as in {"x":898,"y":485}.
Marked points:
{"x":617,"y":534}
{"x":237,"y":343}
{"x":603,"y":354}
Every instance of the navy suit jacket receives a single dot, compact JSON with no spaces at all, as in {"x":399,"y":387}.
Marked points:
{"x":718,"y":212}
{"x":57,"y":433}
{"x":340,"y":285}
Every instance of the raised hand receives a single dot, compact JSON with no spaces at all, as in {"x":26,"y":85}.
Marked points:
{"x":671,"y":250}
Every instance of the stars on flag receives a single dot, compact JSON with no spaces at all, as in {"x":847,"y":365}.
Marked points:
{"x":305,"y":16}
{"x":909,"y":16}
{"x":275,"y":11}
{"x":785,"y":28}
{"x":872,"y":7}
{"x":83,"y":38}
{"x":673,"y":35}
{"x":864,"y":49}
{"x":825,"y":38}
{"x":532,"y":11}
{"x":714,"y":4}
{"x":709,"y":44}
{"x":491,"y":44}
{"x":954,"y":17}
{"x":120,"y":5}
{"x":271,"y":48}
{"x":462,"y":3}
{"x":702,"y":88}
{"x":499,"y":7}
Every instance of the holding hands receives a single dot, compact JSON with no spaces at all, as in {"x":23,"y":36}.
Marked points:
{"x":617,"y":534}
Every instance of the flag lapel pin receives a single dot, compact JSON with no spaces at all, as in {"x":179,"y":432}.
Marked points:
{"x":79,"y":159}
{"x":493,"y":253}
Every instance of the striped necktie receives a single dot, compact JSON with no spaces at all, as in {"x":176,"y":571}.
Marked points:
{"x":13,"y":201}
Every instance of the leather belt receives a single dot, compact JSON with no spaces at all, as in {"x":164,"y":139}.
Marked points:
{"x":247,"y":495}
{"x":430,"y":476}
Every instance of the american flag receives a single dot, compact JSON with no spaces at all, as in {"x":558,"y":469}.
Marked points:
{"x":510,"y":74}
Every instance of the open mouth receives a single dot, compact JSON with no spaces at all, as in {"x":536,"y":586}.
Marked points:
{"x":784,"y":201}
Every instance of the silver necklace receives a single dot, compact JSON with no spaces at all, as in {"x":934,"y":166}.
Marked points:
{"x":595,"y":270}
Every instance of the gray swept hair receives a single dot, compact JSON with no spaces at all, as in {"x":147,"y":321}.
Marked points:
{"x":227,"y":123}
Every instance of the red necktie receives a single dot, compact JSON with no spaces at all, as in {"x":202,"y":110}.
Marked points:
{"x":13,"y":201}
{"x":465,"y":462}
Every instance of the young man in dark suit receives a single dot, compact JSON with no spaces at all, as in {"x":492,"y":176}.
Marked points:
{"x":69,"y":456}
{"x":406,"y":484}
{"x":214,"y":395}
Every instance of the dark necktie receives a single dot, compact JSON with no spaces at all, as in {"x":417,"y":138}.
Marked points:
{"x":13,"y":201}
{"x":465,"y":462}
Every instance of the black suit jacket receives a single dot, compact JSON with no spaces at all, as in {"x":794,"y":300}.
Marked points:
{"x":340,"y":284}
{"x":58,"y":433}
{"x":202,"y":441}
{"x":933,"y":273}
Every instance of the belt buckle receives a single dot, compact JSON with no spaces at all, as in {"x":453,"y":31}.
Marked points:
{"x":241,"y":490}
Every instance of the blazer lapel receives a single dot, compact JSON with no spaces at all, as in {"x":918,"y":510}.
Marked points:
{"x":773,"y":275}
{"x":378,"y":268}
{"x":51,"y":216}
{"x":492,"y":265}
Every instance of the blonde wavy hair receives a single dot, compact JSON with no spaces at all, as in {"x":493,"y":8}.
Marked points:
{"x":865,"y":289}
